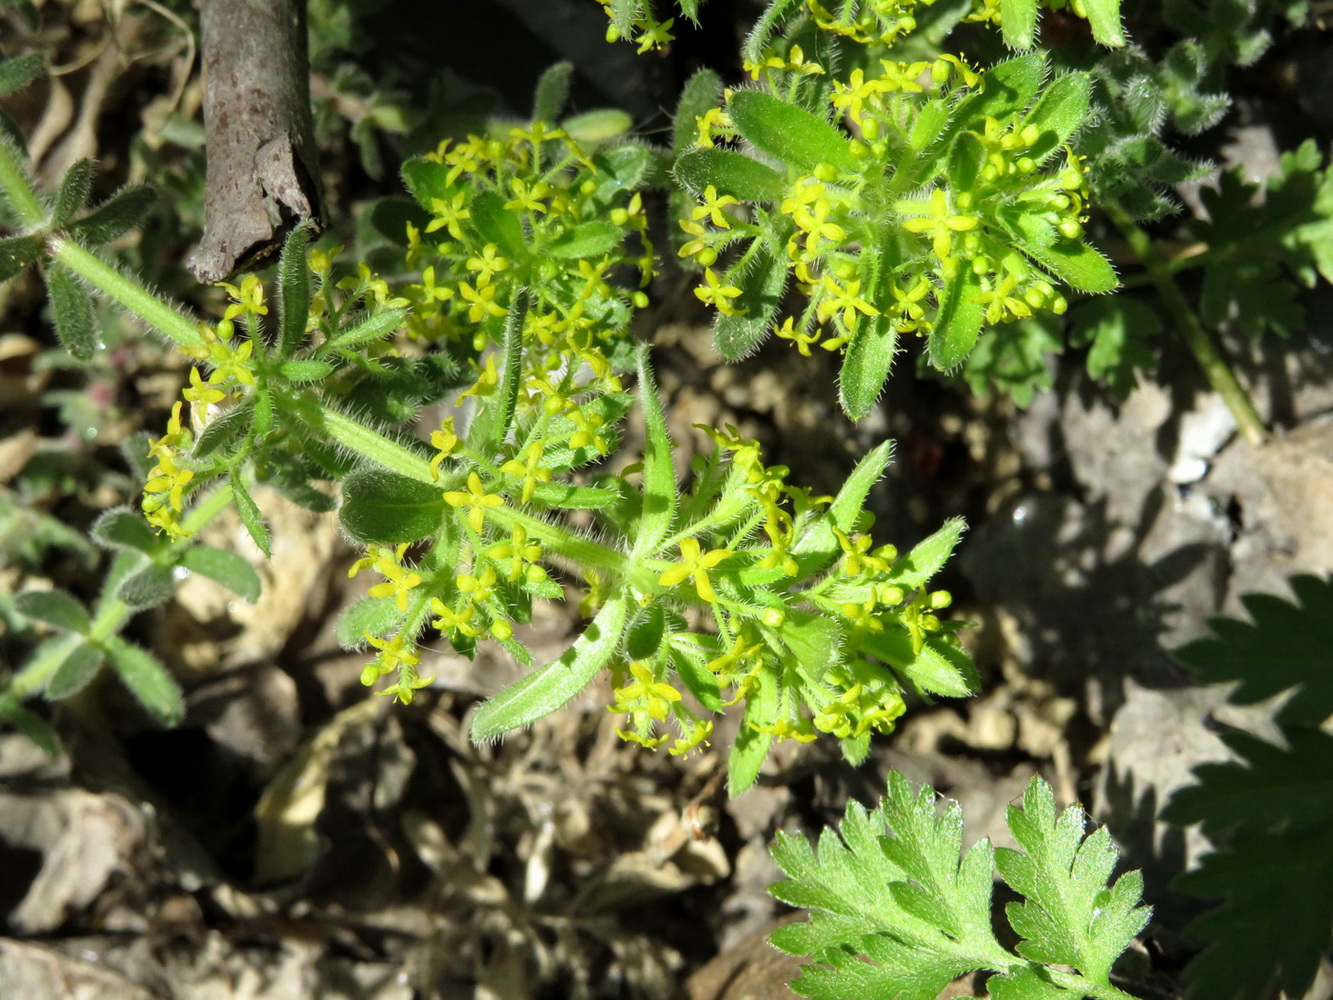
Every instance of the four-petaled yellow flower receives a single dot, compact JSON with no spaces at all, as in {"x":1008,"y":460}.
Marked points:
{"x":655,"y":34}
{"x":846,"y":298}
{"x":487,"y":265}
{"x":476,"y":500}
{"x":531,"y":471}
{"x":718,"y":295}
{"x":655,"y":695}
{"x":712,"y":208}
{"x":448,"y":214}
{"x":696,"y":564}
{"x":941,"y":224}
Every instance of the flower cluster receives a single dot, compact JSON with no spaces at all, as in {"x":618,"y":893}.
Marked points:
{"x":536,"y":209}
{"x":876,"y":234}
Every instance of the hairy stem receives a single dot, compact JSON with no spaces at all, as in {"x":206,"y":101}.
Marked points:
{"x":127,"y":292}
{"x":1200,"y":342}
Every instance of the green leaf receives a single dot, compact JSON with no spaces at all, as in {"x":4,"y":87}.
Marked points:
{"x":1104,"y":16}
{"x":147,"y":680}
{"x":937,"y":668}
{"x":1012,"y":358}
{"x":147,"y":587}
{"x":701,"y":92}
{"x":692,"y":668}
{"x":73,"y":193}
{"x":565,"y":497}
{"x":72,"y":311}
{"x":77,"y":670}
{"x":1284,"y":648}
{"x":898,"y":913}
{"x":227,"y":568}
{"x":588,"y":239}
{"x":377,"y":616}
{"x":792,"y":134}
{"x":370,"y":329}
{"x":1064,"y":107}
{"x":762,"y":283}
{"x":1272,"y":914}
{"x":15,"y":74}
{"x":552,"y":92}
{"x":817,"y":548}
{"x":958,"y":322}
{"x":551,"y":687}
{"x":1075,"y":263}
{"x":813,"y":639}
{"x":55,"y":607}
{"x":250,"y":515}
{"x":225,"y":431}
{"x":905,"y":901}
{"x":383,"y":508}
{"x":293,"y":291}
{"x":427,"y":180}
{"x":622,"y":14}
{"x":1006,"y":88}
{"x":116,"y":216}
{"x":646,"y":630}
{"x":305,"y":370}
{"x":1072,"y":915}
{"x":17,"y":252}
{"x":1018,"y":22}
{"x":928,"y":557}
{"x":30,"y":726}
{"x":660,"y":493}
{"x":122,"y":528}
{"x":492,"y":422}
{"x":499,"y":225}
{"x":600,"y":125}
{"x":865,"y":367}
{"x":731,"y":173}
{"x":1120,"y":330}
{"x":750,"y":747}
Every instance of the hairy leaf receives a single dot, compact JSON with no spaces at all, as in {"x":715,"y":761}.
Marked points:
{"x":551,"y":687}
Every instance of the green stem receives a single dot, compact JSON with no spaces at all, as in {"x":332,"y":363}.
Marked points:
{"x":1200,"y":342}
{"x":126,"y":291}
{"x":16,"y":183}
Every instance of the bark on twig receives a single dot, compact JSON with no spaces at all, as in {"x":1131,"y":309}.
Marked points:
{"x":262,"y":168}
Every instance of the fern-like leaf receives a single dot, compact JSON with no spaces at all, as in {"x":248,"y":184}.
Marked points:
{"x":899,"y":910}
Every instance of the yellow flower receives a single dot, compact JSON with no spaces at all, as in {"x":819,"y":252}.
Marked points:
{"x":712,"y":208}
{"x":448,"y":215}
{"x":655,"y":695}
{"x":531,"y":471}
{"x":476,"y":500}
{"x":695,"y":564}
{"x":718,"y":295}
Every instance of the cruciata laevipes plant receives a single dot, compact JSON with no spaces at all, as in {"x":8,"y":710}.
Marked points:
{"x":943,"y":198}
{"x":531,"y":253}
